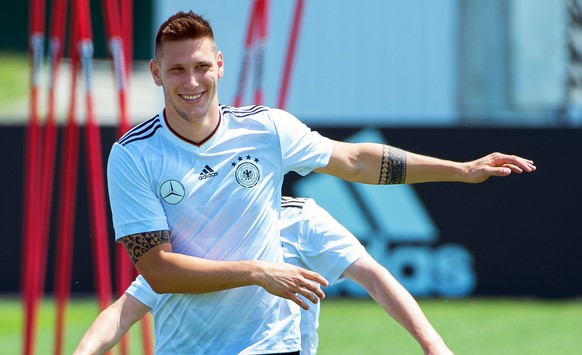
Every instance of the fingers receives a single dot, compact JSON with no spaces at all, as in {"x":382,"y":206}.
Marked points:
{"x":299,"y":301}
{"x":312,"y":292}
{"x":314,"y":276}
{"x":291,"y":282}
{"x":504,"y":170}
{"x":514,"y":163}
{"x":514,"y":168}
{"x":520,"y":165}
{"x":314,"y":288}
{"x":310,"y":289}
{"x":498,"y":164}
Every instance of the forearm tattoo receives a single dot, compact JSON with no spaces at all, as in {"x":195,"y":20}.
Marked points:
{"x":139,"y":244}
{"x":393,"y":166}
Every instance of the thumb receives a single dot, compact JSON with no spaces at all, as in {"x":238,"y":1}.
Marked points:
{"x":500,"y":171}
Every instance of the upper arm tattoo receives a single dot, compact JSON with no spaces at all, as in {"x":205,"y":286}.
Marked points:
{"x":139,"y":244}
{"x":392,"y":166}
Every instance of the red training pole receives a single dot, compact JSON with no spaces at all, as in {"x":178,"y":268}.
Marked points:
{"x":49,"y":150}
{"x":117,"y":51}
{"x":66,"y":226}
{"x":146,"y":335}
{"x":94,"y":163}
{"x":58,"y":16}
{"x":31,"y":181}
{"x":291,"y":48}
{"x":67,"y":203}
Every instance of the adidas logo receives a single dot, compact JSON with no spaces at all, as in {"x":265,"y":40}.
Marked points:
{"x":396,"y":229}
{"x":207,"y":173}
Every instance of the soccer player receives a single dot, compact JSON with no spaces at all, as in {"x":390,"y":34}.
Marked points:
{"x":313,"y":239}
{"x":195,"y":194}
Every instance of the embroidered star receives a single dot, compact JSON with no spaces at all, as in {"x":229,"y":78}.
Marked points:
{"x":247,"y":157}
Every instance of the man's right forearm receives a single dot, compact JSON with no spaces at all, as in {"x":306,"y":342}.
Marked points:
{"x":169,"y":272}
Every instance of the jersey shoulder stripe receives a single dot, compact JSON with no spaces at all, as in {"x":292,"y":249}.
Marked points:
{"x":142,"y":131}
{"x":292,"y":202}
{"x":243,"y":111}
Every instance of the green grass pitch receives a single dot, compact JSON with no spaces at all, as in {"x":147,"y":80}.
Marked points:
{"x":347,"y":326}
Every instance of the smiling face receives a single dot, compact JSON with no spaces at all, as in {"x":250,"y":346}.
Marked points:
{"x":188,"y":70}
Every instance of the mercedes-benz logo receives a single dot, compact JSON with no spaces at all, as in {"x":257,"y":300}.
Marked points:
{"x":172,"y":191}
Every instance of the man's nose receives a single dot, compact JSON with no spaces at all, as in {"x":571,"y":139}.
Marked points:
{"x":191,"y":79}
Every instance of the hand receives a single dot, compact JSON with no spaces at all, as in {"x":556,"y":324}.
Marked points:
{"x":289,"y":281}
{"x":497,"y":164}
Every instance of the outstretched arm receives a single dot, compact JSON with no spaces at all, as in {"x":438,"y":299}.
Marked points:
{"x":169,"y":272}
{"x":110,"y":325}
{"x":397,"y":302}
{"x":373,"y":163}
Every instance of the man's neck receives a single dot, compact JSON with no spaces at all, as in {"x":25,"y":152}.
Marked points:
{"x":196,"y":132}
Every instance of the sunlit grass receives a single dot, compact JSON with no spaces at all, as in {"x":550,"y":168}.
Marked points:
{"x":348,"y":326}
{"x":471,"y":326}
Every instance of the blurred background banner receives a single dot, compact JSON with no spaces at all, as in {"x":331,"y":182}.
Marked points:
{"x":517,"y":236}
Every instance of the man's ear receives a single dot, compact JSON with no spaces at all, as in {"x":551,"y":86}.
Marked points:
{"x":220,"y":62}
{"x":155,"y":70}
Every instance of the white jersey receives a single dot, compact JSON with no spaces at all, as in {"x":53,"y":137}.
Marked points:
{"x":312,"y":239}
{"x":160,"y":181}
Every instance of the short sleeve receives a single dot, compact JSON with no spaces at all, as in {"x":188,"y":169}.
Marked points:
{"x":129,"y":187}
{"x":142,"y":291}
{"x":326,"y":246}
{"x":303,"y":150}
